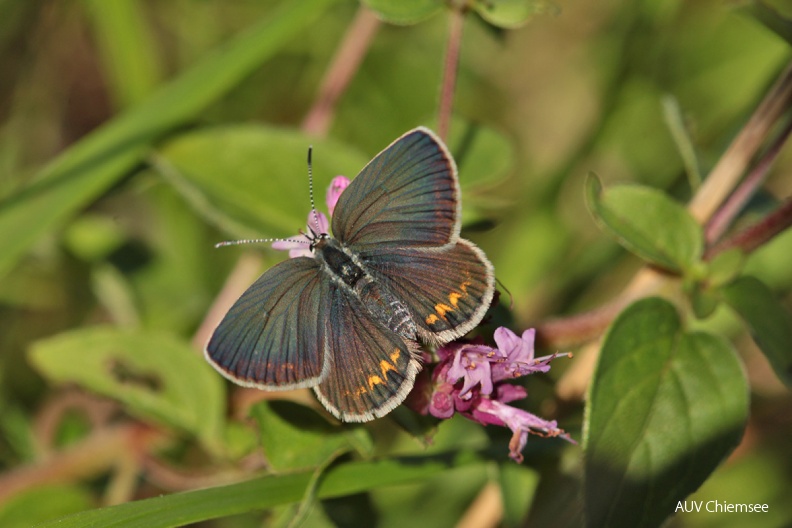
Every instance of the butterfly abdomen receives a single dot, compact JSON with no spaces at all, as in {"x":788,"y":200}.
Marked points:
{"x":383,"y":306}
{"x":386,"y":309}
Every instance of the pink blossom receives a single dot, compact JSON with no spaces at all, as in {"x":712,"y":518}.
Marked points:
{"x":469,"y":379}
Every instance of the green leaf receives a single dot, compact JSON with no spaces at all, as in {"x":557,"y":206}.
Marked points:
{"x":484,"y":158}
{"x":92,"y":165}
{"x":725,"y":267}
{"x":768,"y":321}
{"x":296,"y":437}
{"x":239,"y":440}
{"x":676,"y":125}
{"x":254,"y":179}
{"x":665,"y":408}
{"x":704,"y":301}
{"x":43,"y":503}
{"x":93,"y":237}
{"x":511,"y":13}
{"x":518,"y":485}
{"x":404,"y":11}
{"x":646,"y":222}
{"x":703,"y":280}
{"x":155,"y":376}
{"x":181,"y":509}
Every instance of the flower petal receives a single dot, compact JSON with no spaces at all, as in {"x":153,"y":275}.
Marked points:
{"x":517,"y":349}
{"x":318,"y":223}
{"x":521,"y":423}
{"x":337,"y":187}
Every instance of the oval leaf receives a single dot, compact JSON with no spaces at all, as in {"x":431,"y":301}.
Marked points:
{"x":296,"y":437}
{"x":404,"y":11}
{"x":665,"y":408}
{"x":43,"y":503}
{"x":768,"y":321}
{"x":155,"y":376}
{"x":647,"y":223}
{"x":484,"y":158}
{"x":256,"y":176}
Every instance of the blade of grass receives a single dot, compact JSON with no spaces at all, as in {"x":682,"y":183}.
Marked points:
{"x":129,"y":61}
{"x":265,"y":492}
{"x":676,"y":125}
{"x":92,"y":165}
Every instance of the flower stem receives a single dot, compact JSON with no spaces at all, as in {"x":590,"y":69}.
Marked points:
{"x":456,"y":25}
{"x":343,"y":67}
{"x":727,"y":172}
{"x":758,"y":234}
{"x":723,"y":218}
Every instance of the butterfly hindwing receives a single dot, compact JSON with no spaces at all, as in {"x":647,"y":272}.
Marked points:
{"x":273,"y":336}
{"x":408,"y":195}
{"x":447,"y":290}
{"x":371,"y":370}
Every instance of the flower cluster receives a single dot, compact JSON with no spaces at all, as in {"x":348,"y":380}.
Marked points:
{"x":469,"y":380}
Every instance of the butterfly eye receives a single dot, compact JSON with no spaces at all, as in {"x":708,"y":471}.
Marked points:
{"x":319,"y":240}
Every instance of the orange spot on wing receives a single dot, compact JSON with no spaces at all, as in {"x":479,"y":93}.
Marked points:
{"x":395,"y":355}
{"x":442,"y":309}
{"x":454,"y":297}
{"x":385,"y":367}
{"x":374,"y":380}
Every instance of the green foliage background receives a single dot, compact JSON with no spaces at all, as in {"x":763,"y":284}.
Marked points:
{"x":135,"y":134}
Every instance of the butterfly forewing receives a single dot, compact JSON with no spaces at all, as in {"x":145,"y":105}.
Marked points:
{"x":372,"y":369}
{"x":273,"y":337}
{"x":447,"y":290}
{"x":407,"y":196}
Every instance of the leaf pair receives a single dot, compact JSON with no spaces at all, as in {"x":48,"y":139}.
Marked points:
{"x":667,"y":405}
{"x":656,"y":228}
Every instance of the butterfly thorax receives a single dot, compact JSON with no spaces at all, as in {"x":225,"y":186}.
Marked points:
{"x":349,"y":273}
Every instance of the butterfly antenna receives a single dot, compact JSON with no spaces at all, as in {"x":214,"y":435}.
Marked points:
{"x":511,"y":299}
{"x":258,"y":241}
{"x":310,"y":189}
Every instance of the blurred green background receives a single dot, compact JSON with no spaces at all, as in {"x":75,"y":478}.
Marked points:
{"x":134,"y":135}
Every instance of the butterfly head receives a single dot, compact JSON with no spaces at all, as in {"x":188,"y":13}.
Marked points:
{"x":318,"y":240}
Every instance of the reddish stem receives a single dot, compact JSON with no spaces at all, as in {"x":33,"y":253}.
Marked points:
{"x":758,"y":234}
{"x":342,"y":69}
{"x":722,"y":219}
{"x":726,"y":173}
{"x":450,"y":71}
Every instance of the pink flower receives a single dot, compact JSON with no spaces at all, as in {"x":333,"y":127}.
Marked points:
{"x":300,"y":246}
{"x":337,"y":187}
{"x":469,"y":380}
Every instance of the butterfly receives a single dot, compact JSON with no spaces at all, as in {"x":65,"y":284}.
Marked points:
{"x":348,"y":320}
